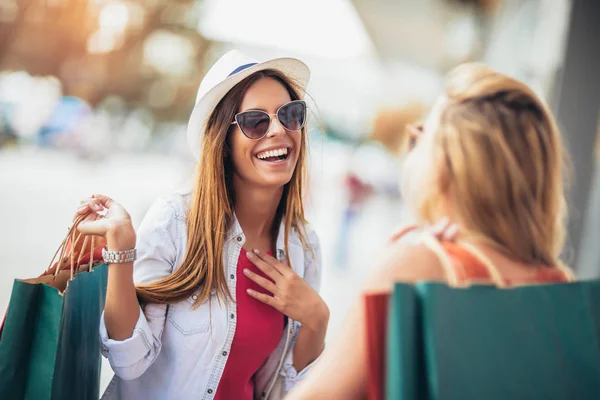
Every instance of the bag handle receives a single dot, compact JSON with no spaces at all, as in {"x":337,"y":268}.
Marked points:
{"x":486,"y":262}
{"x":446,"y":262}
{"x":75,"y":238}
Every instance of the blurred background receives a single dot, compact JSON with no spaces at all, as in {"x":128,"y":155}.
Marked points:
{"x":95,"y":96}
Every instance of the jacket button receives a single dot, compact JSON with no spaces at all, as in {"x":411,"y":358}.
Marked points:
{"x":195,"y":297}
{"x":232,"y":276}
{"x":224,"y":353}
{"x":209,"y":391}
{"x":232,"y":316}
{"x":239,"y":238}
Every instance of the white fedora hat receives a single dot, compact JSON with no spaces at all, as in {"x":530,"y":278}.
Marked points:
{"x":228,"y":71}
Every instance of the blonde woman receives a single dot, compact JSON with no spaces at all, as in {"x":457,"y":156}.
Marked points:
{"x":489,"y":158}
{"x":222,"y":301}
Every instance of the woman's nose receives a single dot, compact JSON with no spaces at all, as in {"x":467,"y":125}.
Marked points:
{"x":275,"y":128}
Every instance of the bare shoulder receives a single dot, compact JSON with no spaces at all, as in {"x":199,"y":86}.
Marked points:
{"x":404,"y":262}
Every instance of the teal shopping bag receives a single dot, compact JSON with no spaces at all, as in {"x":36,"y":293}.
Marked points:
{"x":49,"y":346}
{"x":482,"y":342}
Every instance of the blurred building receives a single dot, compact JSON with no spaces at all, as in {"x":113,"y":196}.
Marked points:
{"x":146,"y":53}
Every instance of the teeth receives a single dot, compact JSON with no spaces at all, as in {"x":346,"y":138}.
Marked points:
{"x":272,"y":153}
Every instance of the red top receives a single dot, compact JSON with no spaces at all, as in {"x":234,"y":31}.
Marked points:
{"x":257,"y":334}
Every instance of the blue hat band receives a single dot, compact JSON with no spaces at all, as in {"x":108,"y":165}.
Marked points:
{"x":241,"y":68}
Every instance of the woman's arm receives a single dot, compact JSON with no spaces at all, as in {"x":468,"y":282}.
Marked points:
{"x":131,"y":339}
{"x":121,"y":310}
{"x":310,"y":341}
{"x":342,"y":370}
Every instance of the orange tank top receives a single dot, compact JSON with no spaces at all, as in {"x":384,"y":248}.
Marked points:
{"x":469,"y":269}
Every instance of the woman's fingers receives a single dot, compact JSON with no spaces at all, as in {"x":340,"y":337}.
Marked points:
{"x":262,"y":282}
{"x":279,"y":266}
{"x":451,"y":233}
{"x":93,"y":208}
{"x":90,"y":204}
{"x":264,"y":266}
{"x":98,"y":215}
{"x":96,"y":227}
{"x":438,"y":228}
{"x":401,"y":232}
{"x":104,"y":200}
{"x":268,"y":300}
{"x":445,"y":230}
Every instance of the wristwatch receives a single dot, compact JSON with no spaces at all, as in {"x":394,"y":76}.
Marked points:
{"x":119,"y":256}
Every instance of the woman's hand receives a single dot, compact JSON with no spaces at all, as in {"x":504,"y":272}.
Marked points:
{"x":292,"y":295}
{"x":443,"y":230}
{"x":108,"y":219}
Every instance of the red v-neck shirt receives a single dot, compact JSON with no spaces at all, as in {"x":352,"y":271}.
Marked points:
{"x":257,"y":334}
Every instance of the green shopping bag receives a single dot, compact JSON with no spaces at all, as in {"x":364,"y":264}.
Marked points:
{"x":49,"y":348}
{"x":482,"y":342}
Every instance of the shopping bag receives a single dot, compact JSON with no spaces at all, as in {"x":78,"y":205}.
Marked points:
{"x":383,"y":360}
{"x":483,"y":342}
{"x":376,"y":307}
{"x":49,"y":348}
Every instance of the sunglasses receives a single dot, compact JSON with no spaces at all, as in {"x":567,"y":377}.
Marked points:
{"x":414,"y":133}
{"x":254,"y":124}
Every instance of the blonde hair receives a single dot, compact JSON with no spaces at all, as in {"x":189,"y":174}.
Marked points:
{"x":212,"y":206}
{"x":502,"y":164}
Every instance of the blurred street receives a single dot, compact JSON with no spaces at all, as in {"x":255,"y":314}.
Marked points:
{"x":95,"y":97}
{"x":42,"y":188}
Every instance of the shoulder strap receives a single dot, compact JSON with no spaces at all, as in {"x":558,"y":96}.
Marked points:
{"x":567,"y":272}
{"x":486,"y":262}
{"x":434,"y":245}
{"x":448,"y":266}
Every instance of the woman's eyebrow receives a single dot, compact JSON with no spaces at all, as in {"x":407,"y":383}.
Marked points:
{"x":254,"y":109}
{"x":262,"y":109}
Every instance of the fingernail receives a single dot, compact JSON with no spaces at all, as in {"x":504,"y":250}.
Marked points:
{"x":245,"y":272}
{"x":440,"y":225}
{"x":249,"y":291}
{"x":249,"y":255}
{"x":256,"y":251}
{"x":451,"y":231}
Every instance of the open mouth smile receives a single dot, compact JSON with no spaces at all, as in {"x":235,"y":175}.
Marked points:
{"x":275,"y":155}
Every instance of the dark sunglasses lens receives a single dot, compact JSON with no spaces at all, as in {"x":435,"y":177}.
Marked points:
{"x":253,"y":124}
{"x":292,"y":116}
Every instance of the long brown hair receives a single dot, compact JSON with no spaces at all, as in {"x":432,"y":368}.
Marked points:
{"x":211,"y":210}
{"x":501,"y":164}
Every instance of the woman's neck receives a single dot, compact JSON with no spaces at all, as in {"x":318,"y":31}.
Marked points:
{"x":255,"y":209}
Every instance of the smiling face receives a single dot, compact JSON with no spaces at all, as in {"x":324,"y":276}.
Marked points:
{"x":270,"y":161}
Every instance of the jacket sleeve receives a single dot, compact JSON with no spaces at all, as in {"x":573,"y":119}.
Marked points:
{"x":312,"y":275}
{"x":157,"y":239}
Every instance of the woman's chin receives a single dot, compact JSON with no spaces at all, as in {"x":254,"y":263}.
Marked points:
{"x":275,"y":180}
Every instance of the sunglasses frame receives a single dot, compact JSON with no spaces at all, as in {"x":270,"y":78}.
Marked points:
{"x":276,"y":115}
{"x":415,"y":131}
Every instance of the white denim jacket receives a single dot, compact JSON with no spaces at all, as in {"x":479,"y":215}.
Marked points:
{"x":179,"y":353}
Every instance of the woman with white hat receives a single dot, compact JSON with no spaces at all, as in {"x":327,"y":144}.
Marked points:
{"x":222,"y":301}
